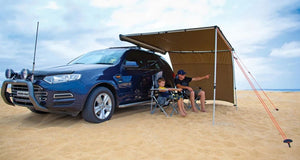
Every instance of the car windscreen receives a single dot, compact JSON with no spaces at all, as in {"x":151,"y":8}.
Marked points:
{"x":106,"y":56}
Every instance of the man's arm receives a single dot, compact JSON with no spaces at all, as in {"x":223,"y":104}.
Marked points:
{"x":175,"y":89}
{"x":184,"y":87}
{"x":200,"y":78}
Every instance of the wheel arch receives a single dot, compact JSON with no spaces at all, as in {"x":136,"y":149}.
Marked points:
{"x":107,"y":85}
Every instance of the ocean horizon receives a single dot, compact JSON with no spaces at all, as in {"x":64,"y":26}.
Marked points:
{"x":275,"y":90}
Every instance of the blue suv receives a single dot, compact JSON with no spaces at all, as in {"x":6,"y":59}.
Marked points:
{"x":93,"y":84}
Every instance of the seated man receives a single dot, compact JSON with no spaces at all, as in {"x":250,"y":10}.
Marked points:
{"x":183,"y":82}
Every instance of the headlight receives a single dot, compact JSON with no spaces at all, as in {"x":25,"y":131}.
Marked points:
{"x":9,"y":73}
{"x":62,"y":78}
{"x":25,"y":73}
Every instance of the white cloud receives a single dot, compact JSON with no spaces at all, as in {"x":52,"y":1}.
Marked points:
{"x":59,"y":52}
{"x":261,"y":68}
{"x":113,"y":3}
{"x":142,"y":16}
{"x":288,"y":50}
{"x":52,"y":5}
{"x":14,"y":48}
{"x":68,"y":29}
{"x":6,"y":47}
{"x":250,"y":27}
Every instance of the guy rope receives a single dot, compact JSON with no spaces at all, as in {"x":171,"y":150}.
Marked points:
{"x":256,"y":82}
{"x":285,"y":140}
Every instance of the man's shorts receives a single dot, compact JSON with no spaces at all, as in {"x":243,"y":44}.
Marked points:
{"x":187,"y":93}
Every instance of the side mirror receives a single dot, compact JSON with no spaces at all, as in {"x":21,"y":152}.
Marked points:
{"x":129,"y":65}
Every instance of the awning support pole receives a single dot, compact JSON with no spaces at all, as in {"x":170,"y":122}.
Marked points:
{"x":234,"y":83}
{"x":215,"y":73}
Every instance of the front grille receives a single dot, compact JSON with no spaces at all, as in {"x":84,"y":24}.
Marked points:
{"x":21,"y":96}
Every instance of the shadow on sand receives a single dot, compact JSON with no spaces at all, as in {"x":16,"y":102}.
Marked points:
{"x":35,"y":120}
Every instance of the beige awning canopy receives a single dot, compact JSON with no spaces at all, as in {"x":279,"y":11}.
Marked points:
{"x":194,"y":51}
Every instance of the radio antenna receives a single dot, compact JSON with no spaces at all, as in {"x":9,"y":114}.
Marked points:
{"x":36,"y":36}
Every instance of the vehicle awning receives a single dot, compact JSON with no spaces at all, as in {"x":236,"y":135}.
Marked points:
{"x":184,"y":40}
{"x":195,"y":50}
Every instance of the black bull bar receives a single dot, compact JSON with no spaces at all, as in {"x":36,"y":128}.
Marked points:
{"x":6,"y":95}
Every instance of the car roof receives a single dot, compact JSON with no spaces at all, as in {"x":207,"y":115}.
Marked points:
{"x":133,"y":48}
{"x":125,"y":47}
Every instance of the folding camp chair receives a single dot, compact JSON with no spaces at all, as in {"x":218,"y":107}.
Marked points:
{"x":185,"y":96}
{"x":161,"y":102}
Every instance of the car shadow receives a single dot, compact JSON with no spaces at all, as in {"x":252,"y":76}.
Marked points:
{"x":50,"y":120}
{"x":34,"y":120}
{"x":128,"y":111}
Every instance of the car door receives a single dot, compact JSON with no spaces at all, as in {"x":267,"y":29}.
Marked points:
{"x":130,"y":78}
{"x":136,"y":75}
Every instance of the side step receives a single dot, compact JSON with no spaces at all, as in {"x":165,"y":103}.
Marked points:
{"x":134,"y":104}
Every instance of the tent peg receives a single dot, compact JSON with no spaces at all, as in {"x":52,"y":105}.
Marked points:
{"x":288,"y":141}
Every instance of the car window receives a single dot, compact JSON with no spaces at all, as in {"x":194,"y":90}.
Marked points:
{"x":106,"y":56}
{"x":134,"y":56}
{"x":144,"y":60}
{"x":152,"y":64}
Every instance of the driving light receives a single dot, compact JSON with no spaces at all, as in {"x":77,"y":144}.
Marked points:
{"x":62,"y":78}
{"x":9,"y":73}
{"x":25,"y":73}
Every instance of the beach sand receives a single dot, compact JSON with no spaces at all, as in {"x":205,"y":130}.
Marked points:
{"x":134,"y":133}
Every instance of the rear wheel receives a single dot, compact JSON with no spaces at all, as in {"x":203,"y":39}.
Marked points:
{"x":100,"y":106}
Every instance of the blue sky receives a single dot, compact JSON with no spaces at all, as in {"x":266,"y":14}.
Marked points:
{"x":264,"y":33}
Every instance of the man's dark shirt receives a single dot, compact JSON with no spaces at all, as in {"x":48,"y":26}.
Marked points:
{"x":184,"y":82}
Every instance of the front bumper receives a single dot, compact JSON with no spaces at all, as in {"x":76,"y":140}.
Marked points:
{"x":30,"y":94}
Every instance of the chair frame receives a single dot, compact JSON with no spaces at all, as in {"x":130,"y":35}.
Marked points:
{"x":154,"y":96}
{"x":171,"y":101}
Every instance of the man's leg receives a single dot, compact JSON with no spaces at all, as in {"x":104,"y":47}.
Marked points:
{"x":181,"y":107}
{"x":202,"y":100}
{"x":192,"y":100}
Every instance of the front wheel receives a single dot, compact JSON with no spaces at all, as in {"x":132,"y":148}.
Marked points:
{"x":100,"y":106}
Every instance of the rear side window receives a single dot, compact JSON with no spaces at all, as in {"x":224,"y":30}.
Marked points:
{"x":152,"y":64}
{"x":144,"y":60}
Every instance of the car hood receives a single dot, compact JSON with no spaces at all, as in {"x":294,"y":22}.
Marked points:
{"x":69,"y":69}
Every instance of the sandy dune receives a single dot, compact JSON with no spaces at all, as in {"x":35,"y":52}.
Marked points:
{"x":133,"y":133}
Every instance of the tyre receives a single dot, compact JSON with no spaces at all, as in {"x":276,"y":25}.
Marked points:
{"x":100,"y":106}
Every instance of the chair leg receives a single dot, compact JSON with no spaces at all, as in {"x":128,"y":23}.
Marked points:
{"x":174,"y":109}
{"x":197,"y":105}
{"x":187,"y":106}
{"x":153,"y":109}
{"x":162,"y":109}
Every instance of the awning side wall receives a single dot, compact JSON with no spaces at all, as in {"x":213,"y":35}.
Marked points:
{"x":196,"y":64}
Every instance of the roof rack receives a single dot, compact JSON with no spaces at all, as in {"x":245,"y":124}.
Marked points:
{"x":124,"y":47}
{"x":133,"y":47}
